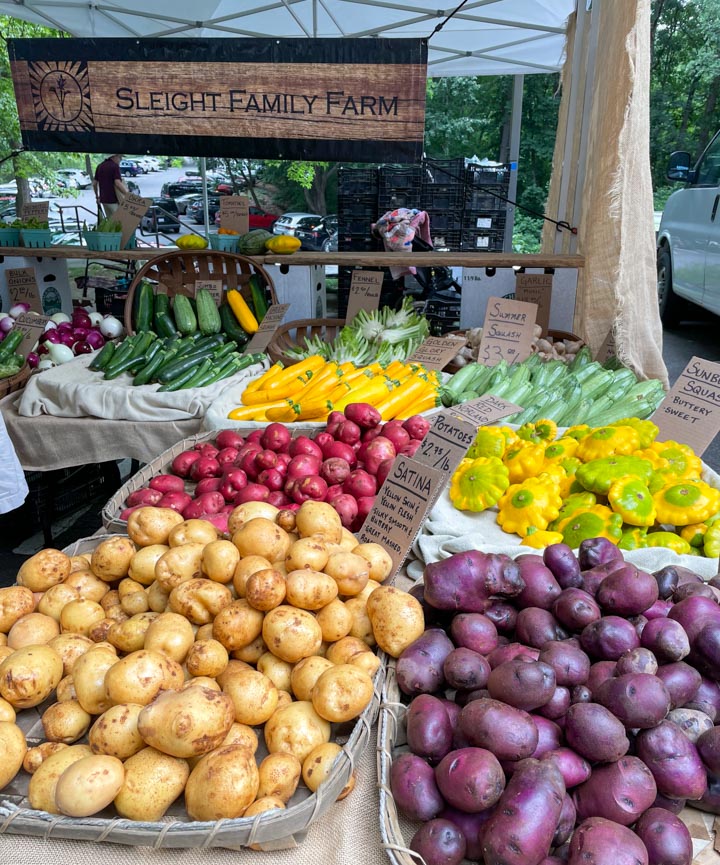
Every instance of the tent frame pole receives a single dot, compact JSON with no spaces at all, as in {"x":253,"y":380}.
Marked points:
{"x":206,"y":204}
{"x":567,"y":160}
{"x":515,"y":129}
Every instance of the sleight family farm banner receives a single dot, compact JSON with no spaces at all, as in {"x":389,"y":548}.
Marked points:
{"x":357,"y":100}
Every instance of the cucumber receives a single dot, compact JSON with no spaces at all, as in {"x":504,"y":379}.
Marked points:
{"x":145,"y":306}
{"x":104,"y":356}
{"x":151,"y":366}
{"x":201,"y":373}
{"x":164,"y":325}
{"x":184,"y":316}
{"x":207,"y":313}
{"x":257,"y":293}
{"x":169,"y":373}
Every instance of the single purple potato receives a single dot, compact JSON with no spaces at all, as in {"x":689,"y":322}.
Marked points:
{"x":472,"y":826}
{"x":428,"y":728}
{"x":708,"y":746}
{"x":439,"y":842}
{"x":521,"y":830}
{"x":627,"y":591}
{"x":575,"y":608}
{"x":598,"y":841}
{"x":509,"y":733}
{"x":608,"y":638}
{"x":466,"y":669}
{"x":541,"y":587}
{"x":574,"y":768}
{"x":419,"y":669}
{"x":666,"y":639}
{"x":564,"y":565}
{"x":598,"y":551}
{"x":639,"y":700}
{"x":465,"y":581}
{"x":566,"y":823}
{"x":474,"y":631}
{"x":619,"y":791}
{"x":570,"y":663}
{"x":636,"y":661}
{"x":557,"y":706}
{"x":470,"y":779}
{"x":674,"y":761}
{"x":522,"y":683}
{"x":595,"y":733}
{"x":536,"y":626}
{"x":599,"y":673}
{"x":412,"y":783}
{"x":681,"y":680}
{"x":666,"y":838}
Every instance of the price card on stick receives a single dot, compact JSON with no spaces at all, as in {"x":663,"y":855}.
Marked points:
{"x":365,"y":288}
{"x":268,"y":326}
{"x":536,"y":288}
{"x":235,"y":213}
{"x":213,"y":286}
{"x":507,"y":331}
{"x":690,"y":413}
{"x":131,"y":210}
{"x":32,"y":327}
{"x":608,"y":348}
{"x":400,"y":507}
{"x":436,"y":351}
{"x":22,"y":287}
{"x":485,"y":410}
{"x":35,"y":210}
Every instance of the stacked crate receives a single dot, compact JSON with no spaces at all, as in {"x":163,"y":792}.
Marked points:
{"x":484,"y":214}
{"x":443,"y":197}
{"x":357,"y":208}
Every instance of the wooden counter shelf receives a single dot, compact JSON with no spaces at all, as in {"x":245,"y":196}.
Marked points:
{"x":342,"y":259}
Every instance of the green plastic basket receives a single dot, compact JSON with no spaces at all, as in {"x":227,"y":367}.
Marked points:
{"x":36,"y":237}
{"x":102,"y":241}
{"x":9,"y":237}
{"x":224,"y":242}
{"x":132,"y":243}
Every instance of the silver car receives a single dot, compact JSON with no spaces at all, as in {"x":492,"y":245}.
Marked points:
{"x":288,"y":222}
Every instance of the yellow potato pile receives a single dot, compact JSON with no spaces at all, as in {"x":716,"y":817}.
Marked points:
{"x":166,"y":648}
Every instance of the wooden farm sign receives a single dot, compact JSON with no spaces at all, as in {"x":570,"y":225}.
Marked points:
{"x":356,"y":100}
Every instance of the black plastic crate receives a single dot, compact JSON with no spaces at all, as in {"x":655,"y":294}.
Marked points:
{"x":483,"y":199}
{"x":366,"y":206}
{"x":484,"y":220}
{"x":482,"y":240}
{"x":355,"y":225}
{"x":442,"y":197}
{"x":401,"y":177}
{"x":444,"y":221}
{"x":358,"y":243}
{"x":66,"y":490}
{"x":357,"y":181}
{"x":448,"y":171}
{"x":445,"y":240}
{"x":486,"y":175}
{"x":391,"y":199}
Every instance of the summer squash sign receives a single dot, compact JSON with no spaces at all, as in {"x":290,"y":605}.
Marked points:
{"x":359,"y":100}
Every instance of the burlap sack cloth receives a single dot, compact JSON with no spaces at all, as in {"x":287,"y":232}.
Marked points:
{"x":617,"y":286}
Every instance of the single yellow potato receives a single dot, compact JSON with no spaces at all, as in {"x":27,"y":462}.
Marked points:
{"x":253,"y":694}
{"x":206,"y":658}
{"x":89,"y":679}
{"x":34,"y":629}
{"x":277,"y":670}
{"x":335,"y":621}
{"x":237,"y":625}
{"x":170,"y":634}
{"x":41,"y":790}
{"x":249,"y":511}
{"x":90,"y":587}
{"x":29,"y":675}
{"x":307,"y":553}
{"x":296,"y":729}
{"x":78,"y":617}
{"x":319,"y":763}
{"x":65,"y":722}
{"x":142,"y":564}
{"x":111,"y":559}
{"x":15,"y":602}
{"x":279,"y":776}
{"x":140,"y":676}
{"x":222,"y":785}
{"x":13,"y":749}
{"x":36,"y":756}
{"x":397,"y":619}
{"x":341,"y":693}
{"x":304,"y":675}
{"x":247,"y":566}
{"x":46,"y":568}
{"x":310,"y":590}
{"x":341,"y":651}
{"x":116,"y":733}
{"x":379,"y":559}
{"x":55,"y":598}
{"x":319,"y":518}
{"x":350,"y":571}
{"x":153,"y":781}
{"x":192,"y":532}
{"x":148,"y":526}
{"x":219,"y":560}
{"x":89,"y":785}
{"x":262,"y":537}
{"x":291,"y":634}
{"x":199,"y":600}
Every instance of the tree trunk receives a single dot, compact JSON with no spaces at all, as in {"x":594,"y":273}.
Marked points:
{"x":687,"y":111}
{"x":708,"y":121}
{"x":654,"y":21}
{"x":315,"y":196}
{"x":24,"y":196}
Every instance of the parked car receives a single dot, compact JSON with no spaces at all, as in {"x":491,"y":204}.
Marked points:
{"x":132,"y":186}
{"x":288,"y":222}
{"x":196,"y":212}
{"x":162,"y":215}
{"x":184,"y":201}
{"x":74,"y":177}
{"x":257,"y":218}
{"x":176,"y":189}
{"x":318,"y":235}
{"x":130,"y":167}
{"x":688,"y":254}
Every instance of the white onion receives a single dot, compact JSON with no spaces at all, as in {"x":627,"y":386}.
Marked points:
{"x":60,"y":353}
{"x":110,"y":327}
{"x":19,"y":309}
{"x":45,"y":363}
{"x":50,"y":325}
{"x":6,"y":324}
{"x":96,"y":318}
{"x":59,"y":317}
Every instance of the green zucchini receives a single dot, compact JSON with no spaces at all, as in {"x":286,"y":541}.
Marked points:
{"x":9,"y":344}
{"x":179,"y":380}
{"x":146,"y":374}
{"x":230,"y":325}
{"x":125,"y":366}
{"x":145,"y":305}
{"x":164,"y":325}
{"x":257,"y":293}
{"x":199,"y":375}
{"x":162,"y":303}
{"x":207,"y":313}
{"x":184,"y":316}
{"x":104,"y":356}
{"x":169,"y":373}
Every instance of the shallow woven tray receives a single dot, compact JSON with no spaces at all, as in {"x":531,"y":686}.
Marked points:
{"x":272,"y":830}
{"x":396,"y":830}
{"x":14,"y":382}
{"x":557,"y":335}
{"x":161,"y":464}
{"x":179,"y":270}
{"x":292,"y":335}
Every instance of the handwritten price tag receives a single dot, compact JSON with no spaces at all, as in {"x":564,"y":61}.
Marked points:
{"x":507,"y":331}
{"x":446,"y":442}
{"x":32,"y":327}
{"x":690,"y":413}
{"x":486,"y":410}
{"x":536,"y":288}
{"x":131,"y":210}
{"x":365,"y":289}
{"x":607,"y":349}
{"x":22,"y":287}
{"x":268,"y":326}
{"x":400,"y":507}
{"x":213,"y":286}
{"x":35,"y":210}
{"x":235,"y":213}
{"x":437,"y":351}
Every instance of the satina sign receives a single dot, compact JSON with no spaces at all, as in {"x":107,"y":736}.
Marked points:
{"x":359,"y":100}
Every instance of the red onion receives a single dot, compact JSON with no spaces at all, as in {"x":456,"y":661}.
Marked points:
{"x":19,"y":308}
{"x":7,"y":324}
{"x":95,"y":339}
{"x":33,"y":360}
{"x":80,"y":333}
{"x":81,"y":319}
{"x":67,"y":338}
{"x":54,"y":336}
{"x":82,"y":348}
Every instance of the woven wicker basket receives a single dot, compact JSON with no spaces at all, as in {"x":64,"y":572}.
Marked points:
{"x":292,"y":335}
{"x":179,"y":270}
{"x":14,"y":382}
{"x":553,"y":334}
{"x":161,"y":465}
{"x":272,"y":830}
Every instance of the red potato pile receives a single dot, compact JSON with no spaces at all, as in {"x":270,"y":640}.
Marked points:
{"x":563,"y":709}
{"x":345,"y":464}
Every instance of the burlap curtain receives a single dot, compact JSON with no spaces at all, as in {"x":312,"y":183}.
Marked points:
{"x":616,"y":232}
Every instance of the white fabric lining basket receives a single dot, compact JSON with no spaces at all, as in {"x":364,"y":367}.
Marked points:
{"x":273,"y":830}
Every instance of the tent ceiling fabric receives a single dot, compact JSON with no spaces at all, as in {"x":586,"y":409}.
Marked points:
{"x":487,"y":37}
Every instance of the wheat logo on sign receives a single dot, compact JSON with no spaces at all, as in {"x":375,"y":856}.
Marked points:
{"x":61,"y":95}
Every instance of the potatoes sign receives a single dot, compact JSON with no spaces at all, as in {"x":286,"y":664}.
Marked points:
{"x":325,"y":99}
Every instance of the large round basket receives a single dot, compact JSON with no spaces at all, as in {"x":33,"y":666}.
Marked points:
{"x":178,"y":271}
{"x":14,"y":382}
{"x":292,"y":335}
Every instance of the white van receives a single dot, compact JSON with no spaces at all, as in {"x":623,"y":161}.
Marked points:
{"x":688,"y":254}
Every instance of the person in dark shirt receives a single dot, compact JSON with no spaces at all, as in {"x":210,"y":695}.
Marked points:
{"x":108,"y":183}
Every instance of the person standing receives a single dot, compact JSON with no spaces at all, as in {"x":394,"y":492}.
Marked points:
{"x":108,"y":182}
